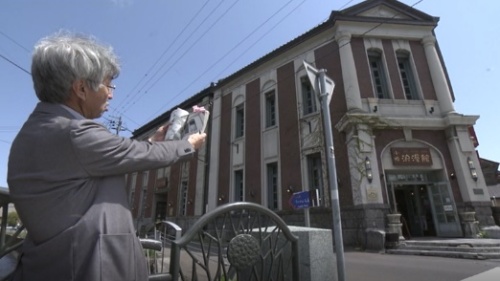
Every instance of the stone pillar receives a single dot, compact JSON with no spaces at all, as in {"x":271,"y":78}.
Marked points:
{"x":438,"y":76}
{"x":461,"y":149}
{"x":469,"y":224}
{"x":394,"y":225}
{"x":351,"y":85}
{"x":214,"y":148}
{"x":317,"y":260}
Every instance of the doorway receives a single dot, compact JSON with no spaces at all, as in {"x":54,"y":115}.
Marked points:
{"x":414,"y":204}
{"x":161,"y":210}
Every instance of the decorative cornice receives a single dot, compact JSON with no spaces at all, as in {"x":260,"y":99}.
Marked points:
{"x":378,"y":121}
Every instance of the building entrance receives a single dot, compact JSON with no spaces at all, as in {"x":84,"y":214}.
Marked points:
{"x":413,"y":202}
{"x":427,"y":206}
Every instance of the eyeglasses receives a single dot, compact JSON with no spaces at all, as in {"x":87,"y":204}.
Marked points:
{"x":111,"y":87}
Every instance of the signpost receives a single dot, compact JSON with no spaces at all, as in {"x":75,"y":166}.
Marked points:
{"x":300,"y":200}
{"x":323,"y":86}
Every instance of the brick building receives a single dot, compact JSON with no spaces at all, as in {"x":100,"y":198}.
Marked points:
{"x":400,"y":146}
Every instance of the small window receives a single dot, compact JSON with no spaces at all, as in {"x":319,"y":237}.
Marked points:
{"x":132,"y":199}
{"x":240,"y":119}
{"x":183,"y":198}
{"x":315,"y":178}
{"x":308,"y":98}
{"x":270,"y":109}
{"x":133,"y":182}
{"x":143,"y":203}
{"x":161,"y":173}
{"x":145,"y":179}
{"x":407,"y":77}
{"x":238,"y":186}
{"x":378,"y":74}
{"x":272,"y":186}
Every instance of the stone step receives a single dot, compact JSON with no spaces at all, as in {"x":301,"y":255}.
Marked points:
{"x":461,"y":248}
{"x":452,"y":248}
{"x":448,"y":254}
{"x":471,"y":243}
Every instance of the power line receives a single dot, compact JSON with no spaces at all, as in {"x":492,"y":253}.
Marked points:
{"x":188,"y":49}
{"x":232,"y":49}
{"x":164,"y":52}
{"x":138,"y":96}
{"x":260,"y":38}
{"x":15,"y":64}
{"x":15,"y":42}
{"x":19,"y":45}
{"x":343,"y":6}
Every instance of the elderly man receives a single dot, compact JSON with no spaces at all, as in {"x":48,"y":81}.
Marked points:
{"x":66,"y":172}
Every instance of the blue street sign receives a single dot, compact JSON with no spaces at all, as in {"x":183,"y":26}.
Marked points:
{"x":300,"y":200}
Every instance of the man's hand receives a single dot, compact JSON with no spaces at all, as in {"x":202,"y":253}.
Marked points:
{"x":197,"y":140}
{"x":160,"y":133}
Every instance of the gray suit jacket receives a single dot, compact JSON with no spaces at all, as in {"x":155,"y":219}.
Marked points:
{"x":66,"y":179}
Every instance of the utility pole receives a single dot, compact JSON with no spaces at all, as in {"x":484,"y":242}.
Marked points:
{"x":117,"y":125}
{"x":323,"y":87}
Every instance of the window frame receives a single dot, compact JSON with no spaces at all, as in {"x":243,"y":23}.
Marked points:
{"x":133,"y":185}
{"x":378,"y":74}
{"x":407,"y":76}
{"x":183,"y":198}
{"x":315,"y":176}
{"x":309,"y":101}
{"x":239,"y":129}
{"x":270,"y":108}
{"x":145,"y":180}
{"x":272,"y":186}
{"x":239,"y":188}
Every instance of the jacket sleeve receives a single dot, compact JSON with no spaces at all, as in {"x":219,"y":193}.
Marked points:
{"x":102,"y":153}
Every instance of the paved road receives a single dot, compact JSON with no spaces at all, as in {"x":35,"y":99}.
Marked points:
{"x":361,"y":266}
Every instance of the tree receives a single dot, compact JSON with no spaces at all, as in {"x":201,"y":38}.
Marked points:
{"x":12,"y":219}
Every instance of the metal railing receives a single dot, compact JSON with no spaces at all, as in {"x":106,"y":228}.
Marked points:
{"x":237,"y":241}
{"x":10,"y":240}
{"x":164,"y":233}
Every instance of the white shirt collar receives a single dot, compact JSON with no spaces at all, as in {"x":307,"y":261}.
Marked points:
{"x":73,"y":112}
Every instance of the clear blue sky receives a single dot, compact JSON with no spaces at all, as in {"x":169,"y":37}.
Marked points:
{"x":172,"y":49}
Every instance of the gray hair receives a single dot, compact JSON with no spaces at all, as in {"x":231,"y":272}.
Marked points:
{"x":62,"y":58}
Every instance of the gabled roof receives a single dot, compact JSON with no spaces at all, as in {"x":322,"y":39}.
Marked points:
{"x":391,"y":11}
{"x":489,"y":162}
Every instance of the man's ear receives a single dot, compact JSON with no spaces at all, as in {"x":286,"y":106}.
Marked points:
{"x":79,"y":87}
